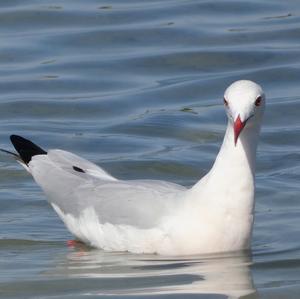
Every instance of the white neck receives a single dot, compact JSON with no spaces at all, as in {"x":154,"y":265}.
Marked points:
{"x":230,"y":182}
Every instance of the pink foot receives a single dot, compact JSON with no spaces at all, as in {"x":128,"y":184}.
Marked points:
{"x":74,"y":243}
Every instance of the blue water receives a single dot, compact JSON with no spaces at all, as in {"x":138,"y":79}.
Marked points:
{"x":136,"y":87}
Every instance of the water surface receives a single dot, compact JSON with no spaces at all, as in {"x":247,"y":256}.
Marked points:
{"x":137,"y":87}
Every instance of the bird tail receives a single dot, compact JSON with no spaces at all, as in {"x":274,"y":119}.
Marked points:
{"x":16,"y":157}
{"x":25,"y":148}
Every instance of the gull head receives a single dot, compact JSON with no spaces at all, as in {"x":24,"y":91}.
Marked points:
{"x":244,"y":102}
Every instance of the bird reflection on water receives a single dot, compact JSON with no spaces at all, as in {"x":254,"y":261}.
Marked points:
{"x":125,"y":274}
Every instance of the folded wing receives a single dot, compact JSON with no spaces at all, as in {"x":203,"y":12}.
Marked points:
{"x":74,"y":184}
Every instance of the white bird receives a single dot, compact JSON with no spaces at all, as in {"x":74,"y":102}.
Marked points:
{"x":152,"y":216}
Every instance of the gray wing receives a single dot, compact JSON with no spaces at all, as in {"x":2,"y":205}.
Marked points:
{"x":74,"y":184}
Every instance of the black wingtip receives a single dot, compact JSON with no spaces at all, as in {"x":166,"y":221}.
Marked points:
{"x":26,"y":148}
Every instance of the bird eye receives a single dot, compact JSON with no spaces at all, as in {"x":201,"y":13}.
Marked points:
{"x":258,"y":101}
{"x":225,"y":103}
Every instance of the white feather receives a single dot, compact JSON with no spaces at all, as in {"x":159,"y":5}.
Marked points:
{"x":156,"y":216}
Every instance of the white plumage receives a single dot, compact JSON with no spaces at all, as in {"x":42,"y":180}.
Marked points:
{"x":148,"y":216}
